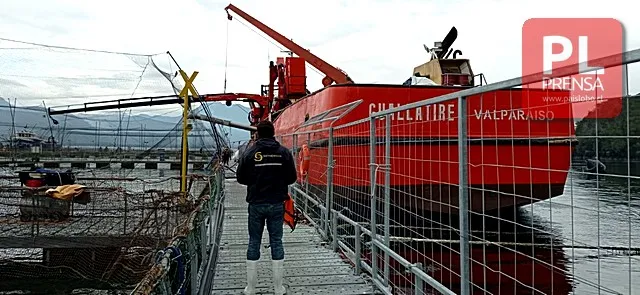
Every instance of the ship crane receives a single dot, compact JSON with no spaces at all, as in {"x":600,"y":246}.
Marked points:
{"x":289,"y":71}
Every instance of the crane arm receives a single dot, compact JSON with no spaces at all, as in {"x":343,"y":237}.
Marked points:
{"x":332,"y":72}
{"x":258,"y":112}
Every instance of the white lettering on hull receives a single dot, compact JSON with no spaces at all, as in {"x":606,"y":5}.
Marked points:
{"x":516,"y":114}
{"x":435,"y":112}
{"x":448,"y":112}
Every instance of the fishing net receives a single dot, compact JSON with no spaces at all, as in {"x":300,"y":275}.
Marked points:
{"x":34,"y":77}
{"x":106,"y":240}
{"x":129,"y":161}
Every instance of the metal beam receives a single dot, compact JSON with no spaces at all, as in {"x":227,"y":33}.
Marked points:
{"x":223,"y":122}
{"x":121,"y":104}
{"x":153,"y":101}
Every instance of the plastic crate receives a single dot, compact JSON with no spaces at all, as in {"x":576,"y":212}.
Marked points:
{"x":35,"y":205}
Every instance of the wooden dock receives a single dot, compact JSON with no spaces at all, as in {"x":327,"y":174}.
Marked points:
{"x":311,"y":267}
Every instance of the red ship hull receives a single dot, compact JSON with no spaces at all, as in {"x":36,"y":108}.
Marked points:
{"x":493,"y":271}
{"x":515,"y":156}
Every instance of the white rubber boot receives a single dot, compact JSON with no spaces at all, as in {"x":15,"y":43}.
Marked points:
{"x":278,"y":272}
{"x":252,"y":277}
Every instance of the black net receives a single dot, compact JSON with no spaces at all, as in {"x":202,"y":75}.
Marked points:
{"x":104,"y":234}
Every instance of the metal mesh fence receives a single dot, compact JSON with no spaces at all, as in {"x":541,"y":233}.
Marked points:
{"x":514,"y":197}
{"x":105,"y":240}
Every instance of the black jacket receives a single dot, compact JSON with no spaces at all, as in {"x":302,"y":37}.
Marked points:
{"x":267,"y":169}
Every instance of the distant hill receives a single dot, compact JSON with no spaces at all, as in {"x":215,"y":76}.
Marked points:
{"x":143,"y":131}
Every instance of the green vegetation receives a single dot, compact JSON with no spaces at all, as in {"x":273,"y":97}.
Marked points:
{"x":615,"y":146}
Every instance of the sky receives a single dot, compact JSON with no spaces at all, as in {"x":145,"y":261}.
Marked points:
{"x":374,"y":41}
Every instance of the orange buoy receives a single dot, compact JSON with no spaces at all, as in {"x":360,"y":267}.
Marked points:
{"x":304,"y":158}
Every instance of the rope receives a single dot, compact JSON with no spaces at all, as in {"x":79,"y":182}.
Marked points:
{"x":72,"y":48}
{"x":272,"y":42}
{"x":261,"y":35}
{"x":226,"y":58}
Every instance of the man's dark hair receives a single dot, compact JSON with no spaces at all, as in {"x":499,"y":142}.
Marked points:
{"x":265,"y":129}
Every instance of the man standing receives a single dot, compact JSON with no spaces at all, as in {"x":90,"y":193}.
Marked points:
{"x":267,"y":169}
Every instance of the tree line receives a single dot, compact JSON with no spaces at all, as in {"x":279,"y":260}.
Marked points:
{"x":612,"y":138}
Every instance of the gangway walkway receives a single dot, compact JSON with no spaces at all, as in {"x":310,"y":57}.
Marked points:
{"x":310,"y":266}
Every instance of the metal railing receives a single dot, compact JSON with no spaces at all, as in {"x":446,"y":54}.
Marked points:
{"x":186,"y":265}
{"x":355,"y":254}
{"x":396,"y":192}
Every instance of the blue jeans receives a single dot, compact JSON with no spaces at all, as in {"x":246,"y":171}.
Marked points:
{"x":273,"y":214}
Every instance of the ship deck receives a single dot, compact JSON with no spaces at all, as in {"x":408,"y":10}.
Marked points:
{"x":311,"y":267}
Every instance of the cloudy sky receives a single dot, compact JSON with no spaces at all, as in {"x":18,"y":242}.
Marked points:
{"x":374,"y":41}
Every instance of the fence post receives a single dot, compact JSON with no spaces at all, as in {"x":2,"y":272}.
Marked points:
{"x":463,"y":196}
{"x":358,"y":249}
{"x":213,"y":199}
{"x":329,"y":191}
{"x":294,"y":146}
{"x":334,"y":230}
{"x":387,"y":194}
{"x":203,"y":235}
{"x":193,"y":265}
{"x":372,"y":177}
{"x":306,"y":183}
{"x":418,"y":288}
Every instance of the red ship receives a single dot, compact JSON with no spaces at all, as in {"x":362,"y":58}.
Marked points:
{"x":512,"y":151}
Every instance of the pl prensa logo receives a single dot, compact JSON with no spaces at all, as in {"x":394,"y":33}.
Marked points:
{"x":549,"y":44}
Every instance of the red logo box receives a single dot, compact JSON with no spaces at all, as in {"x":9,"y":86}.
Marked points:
{"x":549,"y":44}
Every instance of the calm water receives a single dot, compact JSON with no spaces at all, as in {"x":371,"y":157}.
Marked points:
{"x":597,"y":211}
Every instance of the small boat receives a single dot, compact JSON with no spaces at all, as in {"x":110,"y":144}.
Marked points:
{"x":25,"y":139}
